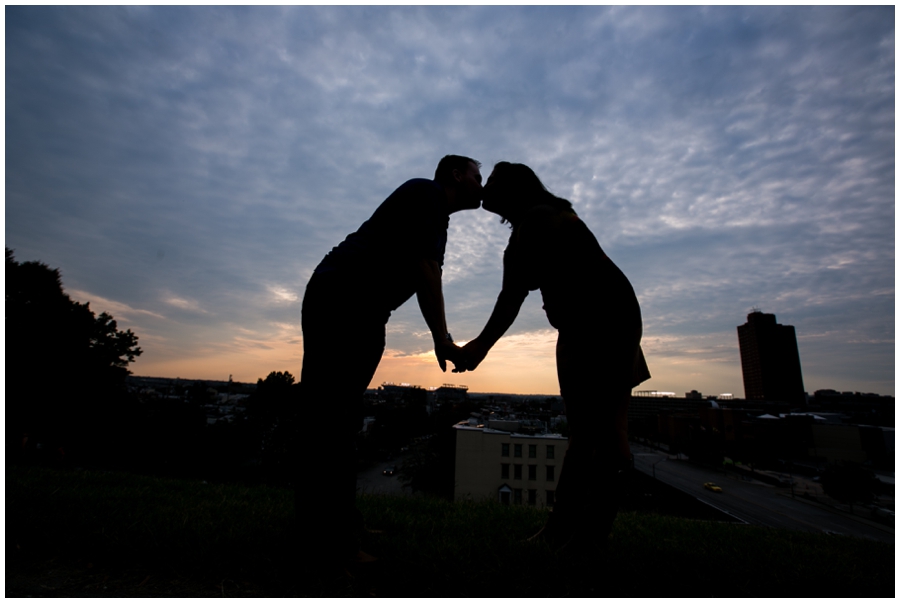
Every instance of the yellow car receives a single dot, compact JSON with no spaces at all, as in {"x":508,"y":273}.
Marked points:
{"x":712,"y":487}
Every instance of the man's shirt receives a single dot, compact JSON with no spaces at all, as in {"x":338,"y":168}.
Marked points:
{"x":383,"y":255}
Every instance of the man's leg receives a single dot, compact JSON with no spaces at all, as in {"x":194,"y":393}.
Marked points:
{"x":341,"y":354}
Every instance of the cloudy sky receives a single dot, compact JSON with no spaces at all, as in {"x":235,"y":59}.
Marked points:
{"x":187,"y":169}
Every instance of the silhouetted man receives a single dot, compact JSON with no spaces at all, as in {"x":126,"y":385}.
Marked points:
{"x":396,"y":253}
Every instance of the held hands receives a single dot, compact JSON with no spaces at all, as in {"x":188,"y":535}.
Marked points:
{"x":465,"y":358}
{"x":446,"y":350}
{"x":472,"y":355}
{"x":474,"y":352}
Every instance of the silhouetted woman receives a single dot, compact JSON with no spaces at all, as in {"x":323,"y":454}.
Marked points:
{"x":598,"y":354}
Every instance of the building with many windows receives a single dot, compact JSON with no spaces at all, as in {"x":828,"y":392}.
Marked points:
{"x":770,"y":360}
{"x":510,"y":468}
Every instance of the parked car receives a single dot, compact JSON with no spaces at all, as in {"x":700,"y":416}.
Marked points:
{"x":389,"y":471}
{"x":712,"y":487}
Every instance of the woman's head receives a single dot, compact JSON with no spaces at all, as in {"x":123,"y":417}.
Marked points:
{"x":513,"y":188}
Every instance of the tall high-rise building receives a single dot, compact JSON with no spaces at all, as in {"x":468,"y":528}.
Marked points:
{"x":770,"y":360}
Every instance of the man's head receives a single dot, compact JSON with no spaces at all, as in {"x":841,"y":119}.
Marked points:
{"x":461,"y":178}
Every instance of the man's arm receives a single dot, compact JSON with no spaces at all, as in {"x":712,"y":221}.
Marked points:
{"x":430,"y":296}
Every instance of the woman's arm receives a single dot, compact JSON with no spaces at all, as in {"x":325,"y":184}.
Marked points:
{"x":505,"y":311}
{"x":519,"y":276}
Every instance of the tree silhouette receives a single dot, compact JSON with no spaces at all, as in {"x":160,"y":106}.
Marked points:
{"x":274,"y":398}
{"x":273,"y":409}
{"x":65,"y":366}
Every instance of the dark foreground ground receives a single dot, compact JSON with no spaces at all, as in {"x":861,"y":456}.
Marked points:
{"x":76,"y":534}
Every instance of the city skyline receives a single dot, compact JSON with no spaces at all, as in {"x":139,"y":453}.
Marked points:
{"x":187,"y":168}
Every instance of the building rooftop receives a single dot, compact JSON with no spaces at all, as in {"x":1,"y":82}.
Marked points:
{"x":488,"y":430}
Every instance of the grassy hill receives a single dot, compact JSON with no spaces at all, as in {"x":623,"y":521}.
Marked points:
{"x":116,"y":534}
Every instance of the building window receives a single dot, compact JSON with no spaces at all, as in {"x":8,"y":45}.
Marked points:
{"x":504,"y":471}
{"x":517,"y":471}
{"x":517,"y":496}
{"x":532,"y":497}
{"x":551,"y":453}
{"x":532,"y":451}
{"x":551,"y":498}
{"x":518,"y":449}
{"x":532,"y":472}
{"x":504,"y":497}
{"x":550,"y":473}
{"x":504,"y":449}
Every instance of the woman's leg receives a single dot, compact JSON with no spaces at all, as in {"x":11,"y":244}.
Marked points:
{"x":614,"y":466}
{"x":591,"y":484}
{"x":576,"y":483}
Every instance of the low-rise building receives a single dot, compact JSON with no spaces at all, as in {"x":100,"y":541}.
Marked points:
{"x":510,"y":468}
{"x":853,"y":443}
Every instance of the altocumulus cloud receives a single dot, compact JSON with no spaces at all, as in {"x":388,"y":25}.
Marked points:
{"x":187,"y":168}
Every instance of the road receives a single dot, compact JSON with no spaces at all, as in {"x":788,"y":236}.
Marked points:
{"x":755,"y":502}
{"x":371,"y":481}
